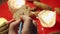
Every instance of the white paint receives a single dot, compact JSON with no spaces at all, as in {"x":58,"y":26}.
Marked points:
{"x":15,"y":4}
{"x":47,"y":18}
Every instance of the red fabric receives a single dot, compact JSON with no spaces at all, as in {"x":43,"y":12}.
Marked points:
{"x":53,"y":4}
{"x":4,"y":11}
{"x":31,"y":5}
{"x":48,"y":30}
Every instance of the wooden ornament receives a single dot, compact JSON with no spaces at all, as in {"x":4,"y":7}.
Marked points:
{"x":2,"y":22}
{"x":42,"y":5}
{"x":22,"y":11}
{"x":16,"y":4}
{"x":47,"y":18}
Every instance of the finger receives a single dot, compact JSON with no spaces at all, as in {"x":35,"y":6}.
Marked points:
{"x":12,"y":20}
{"x":13,"y":26}
{"x":25,"y":17}
{"x":4,"y":32}
{"x":15,"y":23}
{"x":26,"y":27}
{"x":29,"y":27}
{"x":3,"y":28}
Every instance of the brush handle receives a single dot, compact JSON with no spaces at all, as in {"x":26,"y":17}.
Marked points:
{"x":20,"y":28}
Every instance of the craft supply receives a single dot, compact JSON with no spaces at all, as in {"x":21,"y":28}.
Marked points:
{"x":2,"y":22}
{"x":20,"y":27}
{"x":47,"y":18}
{"x":22,"y":11}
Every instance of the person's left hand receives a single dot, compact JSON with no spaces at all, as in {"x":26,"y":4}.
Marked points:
{"x":5,"y":26}
{"x":28,"y":26}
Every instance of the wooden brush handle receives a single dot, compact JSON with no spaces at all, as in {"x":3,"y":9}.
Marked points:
{"x":42,"y":5}
{"x":57,"y":10}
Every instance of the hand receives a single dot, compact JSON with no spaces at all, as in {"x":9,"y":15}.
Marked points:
{"x":28,"y":26}
{"x":4,"y":27}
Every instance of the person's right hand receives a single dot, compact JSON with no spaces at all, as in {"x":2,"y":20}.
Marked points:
{"x":28,"y":26}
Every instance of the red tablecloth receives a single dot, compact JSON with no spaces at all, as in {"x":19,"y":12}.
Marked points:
{"x":53,"y":4}
{"x":4,"y":12}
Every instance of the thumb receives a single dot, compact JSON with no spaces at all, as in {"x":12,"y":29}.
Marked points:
{"x":13,"y":27}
